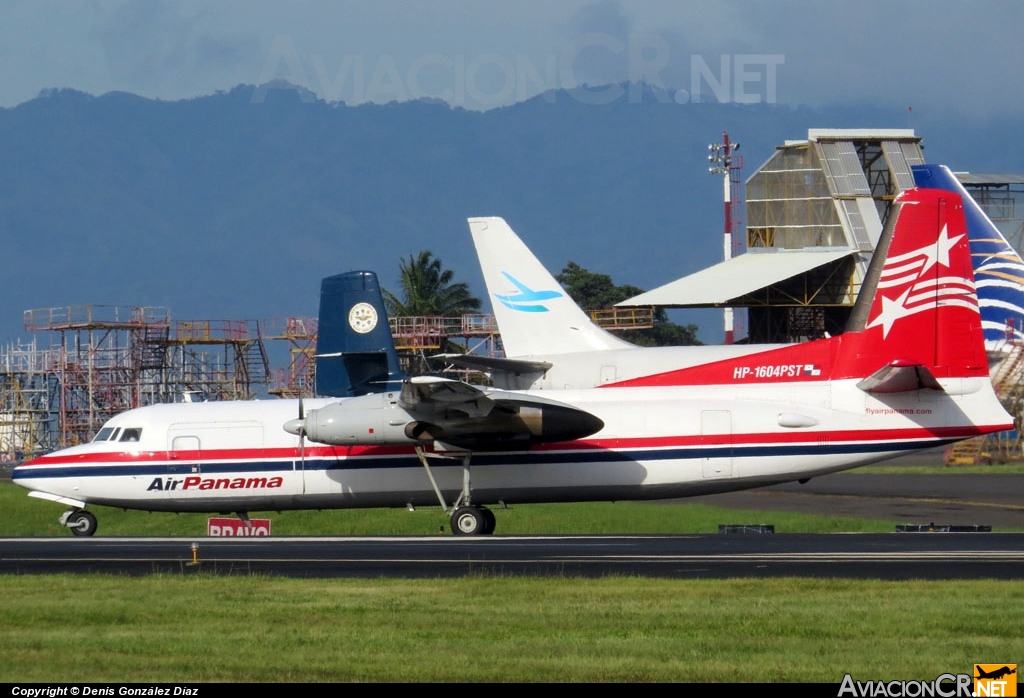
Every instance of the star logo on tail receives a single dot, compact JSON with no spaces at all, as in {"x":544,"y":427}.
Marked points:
{"x":904,"y":275}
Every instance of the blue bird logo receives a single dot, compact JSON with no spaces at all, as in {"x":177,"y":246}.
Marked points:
{"x":527,"y":300}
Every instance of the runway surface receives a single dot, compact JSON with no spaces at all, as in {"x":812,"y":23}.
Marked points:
{"x":995,"y":500}
{"x":879,"y":556}
{"x":931,"y":504}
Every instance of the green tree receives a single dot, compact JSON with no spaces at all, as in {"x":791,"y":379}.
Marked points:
{"x":593,"y":291}
{"x":428,"y":290}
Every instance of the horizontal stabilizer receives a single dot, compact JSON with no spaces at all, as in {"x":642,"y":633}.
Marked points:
{"x":495,"y":363}
{"x":899,"y":377}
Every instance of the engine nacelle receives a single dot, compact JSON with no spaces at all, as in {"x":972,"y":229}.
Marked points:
{"x":367,"y":420}
{"x":508,"y":423}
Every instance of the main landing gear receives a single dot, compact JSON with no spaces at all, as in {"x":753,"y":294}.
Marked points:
{"x":466,"y":519}
{"x":80,"y":521}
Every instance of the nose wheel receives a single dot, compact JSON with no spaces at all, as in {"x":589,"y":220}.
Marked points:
{"x":81,"y":522}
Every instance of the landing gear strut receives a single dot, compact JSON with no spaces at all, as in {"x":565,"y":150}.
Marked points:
{"x":466,"y":519}
{"x":80,"y":521}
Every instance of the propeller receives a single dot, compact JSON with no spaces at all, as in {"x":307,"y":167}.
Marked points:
{"x":302,"y":433}
{"x":298,"y":427}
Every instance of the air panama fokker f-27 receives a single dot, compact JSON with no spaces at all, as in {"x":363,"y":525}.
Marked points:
{"x":909,"y":373}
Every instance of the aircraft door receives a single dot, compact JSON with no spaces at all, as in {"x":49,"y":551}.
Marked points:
{"x":608,"y":374}
{"x":184,"y":460}
{"x":717,"y":440}
{"x":184,"y":455}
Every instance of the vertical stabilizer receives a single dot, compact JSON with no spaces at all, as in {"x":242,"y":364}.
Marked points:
{"x":924,"y":308}
{"x":534,"y":313}
{"x":355,"y":352}
{"x":998,"y":268}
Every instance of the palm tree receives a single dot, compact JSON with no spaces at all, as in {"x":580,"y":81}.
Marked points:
{"x":428,"y":290}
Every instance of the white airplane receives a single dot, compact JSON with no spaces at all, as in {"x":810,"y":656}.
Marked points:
{"x":998,"y":268}
{"x":910,"y":373}
{"x":550,"y":342}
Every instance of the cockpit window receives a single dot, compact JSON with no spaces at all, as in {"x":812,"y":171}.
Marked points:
{"x":131,"y":434}
{"x":104,"y":434}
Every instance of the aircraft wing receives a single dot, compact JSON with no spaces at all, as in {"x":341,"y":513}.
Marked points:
{"x":434,"y":392}
{"x":446,"y":412}
{"x":899,"y":377}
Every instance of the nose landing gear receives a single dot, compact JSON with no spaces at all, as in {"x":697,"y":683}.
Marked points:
{"x":80,"y":521}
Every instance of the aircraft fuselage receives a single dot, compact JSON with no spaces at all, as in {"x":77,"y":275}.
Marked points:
{"x":673,"y":442}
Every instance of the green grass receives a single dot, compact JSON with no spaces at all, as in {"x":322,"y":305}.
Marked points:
{"x":483,"y":628}
{"x":66,"y":628}
{"x":25,"y":516}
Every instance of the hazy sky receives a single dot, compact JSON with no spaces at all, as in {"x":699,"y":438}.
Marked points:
{"x":921,"y":54}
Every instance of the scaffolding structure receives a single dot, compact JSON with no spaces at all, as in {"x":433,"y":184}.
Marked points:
{"x":1004,"y":446}
{"x":418,"y":337}
{"x":299,"y":378}
{"x":108,"y":359}
{"x":416,"y":340}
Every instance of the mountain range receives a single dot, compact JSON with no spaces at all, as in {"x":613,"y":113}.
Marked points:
{"x":230,"y":207}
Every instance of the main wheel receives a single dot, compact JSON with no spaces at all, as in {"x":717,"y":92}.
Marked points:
{"x":82,"y":523}
{"x":469,"y":521}
{"x":489,"y":521}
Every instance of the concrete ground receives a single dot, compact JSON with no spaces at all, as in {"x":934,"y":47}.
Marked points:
{"x":912,"y":498}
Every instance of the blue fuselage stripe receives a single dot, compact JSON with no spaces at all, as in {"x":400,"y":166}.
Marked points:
{"x":231,"y":467}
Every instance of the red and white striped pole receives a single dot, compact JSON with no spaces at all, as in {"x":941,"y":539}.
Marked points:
{"x":721,"y":159}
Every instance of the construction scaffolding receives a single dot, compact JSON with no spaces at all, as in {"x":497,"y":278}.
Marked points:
{"x":416,"y":338}
{"x":108,"y":359}
{"x":299,"y":378}
{"x":1004,"y":446}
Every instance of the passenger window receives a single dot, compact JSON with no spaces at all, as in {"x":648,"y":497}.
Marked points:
{"x":131,"y":434}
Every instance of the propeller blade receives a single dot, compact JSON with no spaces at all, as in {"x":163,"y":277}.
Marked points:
{"x":297,"y":426}
{"x":301,"y":424}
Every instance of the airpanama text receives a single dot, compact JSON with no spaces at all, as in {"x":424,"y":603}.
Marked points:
{"x":943,"y":687}
{"x":196,"y":482}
